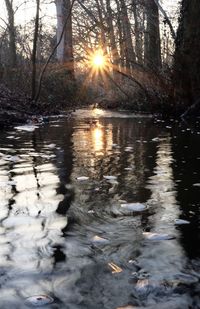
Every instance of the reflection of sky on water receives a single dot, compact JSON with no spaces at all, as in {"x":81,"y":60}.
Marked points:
{"x":48,"y":218}
{"x":165,"y":211}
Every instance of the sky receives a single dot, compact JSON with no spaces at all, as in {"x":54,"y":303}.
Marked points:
{"x":26,"y":10}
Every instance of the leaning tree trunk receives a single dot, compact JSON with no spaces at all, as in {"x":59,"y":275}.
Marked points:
{"x":152,"y":49}
{"x":65,"y":48}
{"x":187,"y":54}
{"x":11,"y":32}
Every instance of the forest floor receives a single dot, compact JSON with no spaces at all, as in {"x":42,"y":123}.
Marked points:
{"x":18,"y":108}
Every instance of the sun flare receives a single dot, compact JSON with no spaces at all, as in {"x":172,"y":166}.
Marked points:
{"x":98,"y":60}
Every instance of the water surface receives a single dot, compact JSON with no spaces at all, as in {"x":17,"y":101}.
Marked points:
{"x":71,"y":239}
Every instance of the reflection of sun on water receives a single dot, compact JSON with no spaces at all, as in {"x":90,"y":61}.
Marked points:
{"x":97,"y":139}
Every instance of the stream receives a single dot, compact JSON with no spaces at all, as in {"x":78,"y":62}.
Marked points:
{"x":100,"y":210}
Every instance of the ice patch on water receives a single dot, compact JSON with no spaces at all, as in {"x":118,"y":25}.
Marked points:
{"x":180,"y":221}
{"x":134,"y":206}
{"x":27,"y":128}
{"x":109,"y":177}
{"x":82,"y":178}
{"x":99,"y":240}
{"x":156,"y":236}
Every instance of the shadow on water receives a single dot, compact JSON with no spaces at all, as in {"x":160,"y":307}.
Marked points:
{"x":63,"y":231}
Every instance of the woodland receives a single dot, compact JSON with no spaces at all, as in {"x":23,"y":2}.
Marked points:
{"x":120,"y":54}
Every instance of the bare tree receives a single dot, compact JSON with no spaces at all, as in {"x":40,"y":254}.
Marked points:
{"x":152,"y":50}
{"x":11,"y":32}
{"x":127,"y":36}
{"x":138,"y":34}
{"x":34,"y":52}
{"x":65,"y":47}
{"x":187,"y":56}
{"x":112,"y":38}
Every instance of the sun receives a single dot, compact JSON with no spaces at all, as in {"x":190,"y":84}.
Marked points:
{"x":98,"y":60}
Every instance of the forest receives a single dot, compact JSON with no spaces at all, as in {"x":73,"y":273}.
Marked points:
{"x":139,"y":55}
{"x":99,"y":164}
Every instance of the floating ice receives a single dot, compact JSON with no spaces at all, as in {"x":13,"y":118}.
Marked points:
{"x":156,"y":236}
{"x":27,"y":128}
{"x":82,"y":178}
{"x":155,"y":139}
{"x":10,"y":137}
{"x":39,"y":300}
{"x":91,"y":211}
{"x":51,"y":146}
{"x":128,"y":149}
{"x":113,"y":182}
{"x":180,"y":222}
{"x":99,"y":240}
{"x":196,"y":185}
{"x":12,"y":158}
{"x":46,"y":156}
{"x":134,"y":206}
{"x":109,"y":177}
{"x":129,"y":168}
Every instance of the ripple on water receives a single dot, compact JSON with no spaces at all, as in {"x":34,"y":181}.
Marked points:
{"x":81,"y":247}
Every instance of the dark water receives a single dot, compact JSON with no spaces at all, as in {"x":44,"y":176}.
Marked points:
{"x":49,"y":218}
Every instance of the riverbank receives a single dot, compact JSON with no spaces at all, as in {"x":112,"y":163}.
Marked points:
{"x":16,"y":107}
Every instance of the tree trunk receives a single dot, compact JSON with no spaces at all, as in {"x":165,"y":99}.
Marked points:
{"x":120,"y":35}
{"x":187,"y":54}
{"x":34,"y":52}
{"x":138,"y":36}
{"x":128,"y":44}
{"x":65,"y":48}
{"x":113,"y":45}
{"x":102,"y":30}
{"x":152,"y":49}
{"x":12,"y":34}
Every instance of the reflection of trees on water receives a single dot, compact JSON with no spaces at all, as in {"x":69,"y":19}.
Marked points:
{"x":40,"y":255}
{"x":169,"y":257}
{"x":31,"y":228}
{"x":100,"y":149}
